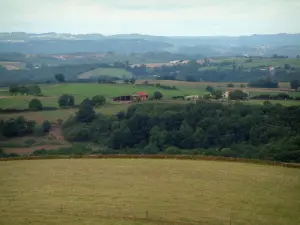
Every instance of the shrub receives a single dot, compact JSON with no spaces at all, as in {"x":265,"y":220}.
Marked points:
{"x":35,"y":104}
{"x":230,"y":85}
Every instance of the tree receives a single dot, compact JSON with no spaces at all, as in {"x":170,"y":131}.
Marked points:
{"x":217,"y":94}
{"x":298,"y":56}
{"x":209,"y":88}
{"x":29,"y":65}
{"x":238,"y":95}
{"x":295,"y":84}
{"x":132,"y":80}
{"x":157,"y":95}
{"x":34,"y":89}
{"x":13,"y":89}
{"x":231,"y":85}
{"x":35,"y":104}
{"x":46,"y":126}
{"x":86,"y":112}
{"x":98,"y":100}
{"x":287,"y":66}
{"x":60,"y":77}
{"x":66,"y":100}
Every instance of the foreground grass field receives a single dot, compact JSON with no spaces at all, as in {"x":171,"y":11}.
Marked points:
{"x":143,"y":191}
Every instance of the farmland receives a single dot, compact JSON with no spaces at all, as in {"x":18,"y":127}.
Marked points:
{"x":147,"y":191}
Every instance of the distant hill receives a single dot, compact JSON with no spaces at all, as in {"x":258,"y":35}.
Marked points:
{"x":53,"y":43}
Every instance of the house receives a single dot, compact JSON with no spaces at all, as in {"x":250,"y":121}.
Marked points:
{"x":138,"y":96}
{"x":191,"y":97}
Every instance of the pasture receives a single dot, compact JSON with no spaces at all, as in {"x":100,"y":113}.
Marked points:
{"x":147,"y":191}
{"x":114,"y":72}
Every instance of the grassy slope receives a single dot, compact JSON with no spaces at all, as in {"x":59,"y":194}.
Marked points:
{"x":120,"y":191}
{"x":114,"y":72}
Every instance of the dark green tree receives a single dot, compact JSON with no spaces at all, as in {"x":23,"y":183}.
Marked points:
{"x":231,"y":85}
{"x":46,"y":126}
{"x":98,"y":100}
{"x":35,"y":104}
{"x":60,"y":77}
{"x":217,"y":94}
{"x":66,"y":100}
{"x":157,"y":95}
{"x":209,"y":89}
{"x":295,"y":84}
{"x":86,"y":112}
{"x":238,"y":95}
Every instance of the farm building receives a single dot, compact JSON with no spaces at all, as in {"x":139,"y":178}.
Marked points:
{"x":138,"y":96}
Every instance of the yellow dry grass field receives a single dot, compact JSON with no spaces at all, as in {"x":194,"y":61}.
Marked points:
{"x":147,"y":191}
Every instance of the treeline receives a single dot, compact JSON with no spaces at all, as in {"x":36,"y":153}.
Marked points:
{"x":280,"y":96}
{"x":222,"y":72}
{"x":269,"y":132}
{"x":33,"y":89}
{"x":18,"y":127}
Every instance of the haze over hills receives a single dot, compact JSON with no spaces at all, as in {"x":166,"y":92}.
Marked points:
{"x":52,"y":43}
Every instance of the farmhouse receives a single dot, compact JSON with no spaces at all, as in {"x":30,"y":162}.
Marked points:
{"x":138,"y":96}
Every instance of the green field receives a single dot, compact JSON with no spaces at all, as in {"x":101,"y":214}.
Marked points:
{"x":147,"y":191}
{"x":114,"y":72}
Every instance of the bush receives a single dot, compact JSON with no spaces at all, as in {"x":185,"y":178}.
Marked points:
{"x":38,"y":131}
{"x":173,"y":150}
{"x":46,"y":126}
{"x":230,"y":85}
{"x":35,"y":104}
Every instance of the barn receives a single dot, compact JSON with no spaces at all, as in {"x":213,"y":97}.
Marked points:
{"x":137,"y":96}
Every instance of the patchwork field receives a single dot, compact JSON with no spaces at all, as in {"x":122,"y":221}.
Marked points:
{"x":147,"y":191}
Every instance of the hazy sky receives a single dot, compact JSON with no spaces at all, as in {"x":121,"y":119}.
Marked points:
{"x":157,"y":17}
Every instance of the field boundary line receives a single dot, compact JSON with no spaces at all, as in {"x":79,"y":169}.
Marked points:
{"x":175,"y":157}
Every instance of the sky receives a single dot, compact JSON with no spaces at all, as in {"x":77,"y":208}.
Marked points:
{"x":154,"y":17}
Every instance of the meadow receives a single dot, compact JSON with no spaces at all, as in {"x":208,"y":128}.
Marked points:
{"x":147,"y":191}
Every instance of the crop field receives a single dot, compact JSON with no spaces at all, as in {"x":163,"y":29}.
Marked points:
{"x":115,"y":72}
{"x":147,"y":191}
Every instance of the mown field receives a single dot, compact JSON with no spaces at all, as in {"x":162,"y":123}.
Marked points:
{"x":114,"y":72}
{"x":147,"y":191}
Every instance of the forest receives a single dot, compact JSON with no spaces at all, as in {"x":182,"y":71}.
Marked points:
{"x":268,"y":132}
